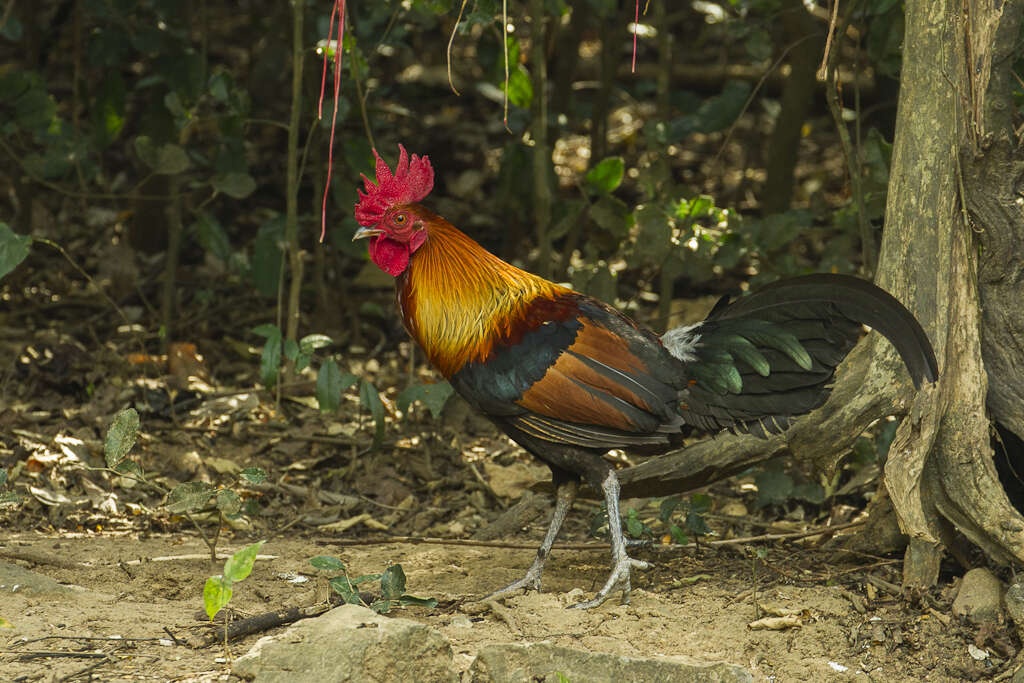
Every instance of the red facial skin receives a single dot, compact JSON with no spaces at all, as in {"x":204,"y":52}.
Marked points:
{"x":402,"y":233}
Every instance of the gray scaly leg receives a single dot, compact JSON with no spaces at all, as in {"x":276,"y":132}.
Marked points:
{"x":621,"y":562}
{"x":564,"y":497}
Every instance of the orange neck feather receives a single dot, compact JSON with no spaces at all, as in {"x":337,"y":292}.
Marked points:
{"x":457,"y":299}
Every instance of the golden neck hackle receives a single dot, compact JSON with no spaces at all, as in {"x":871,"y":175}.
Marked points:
{"x":457,"y":299}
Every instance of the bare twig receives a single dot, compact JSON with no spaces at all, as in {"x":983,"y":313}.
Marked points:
{"x":451,"y":39}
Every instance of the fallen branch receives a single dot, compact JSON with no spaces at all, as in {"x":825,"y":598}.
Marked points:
{"x":257,"y":624}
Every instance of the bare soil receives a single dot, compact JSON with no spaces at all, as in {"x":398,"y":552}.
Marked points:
{"x":130,"y":586}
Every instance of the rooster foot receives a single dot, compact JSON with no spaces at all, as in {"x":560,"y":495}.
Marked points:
{"x":617,"y":580}
{"x":530,"y":582}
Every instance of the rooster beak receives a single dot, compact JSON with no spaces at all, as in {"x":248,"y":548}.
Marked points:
{"x":363,"y":233}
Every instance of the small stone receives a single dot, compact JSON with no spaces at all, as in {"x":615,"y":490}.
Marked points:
{"x":461,"y":621}
{"x":980,"y":597}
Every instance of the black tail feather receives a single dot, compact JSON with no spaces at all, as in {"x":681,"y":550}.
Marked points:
{"x":857,"y":300}
{"x":817,"y":318}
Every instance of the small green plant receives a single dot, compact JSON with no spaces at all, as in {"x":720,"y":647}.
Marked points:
{"x":13,"y":248}
{"x":331,"y":382}
{"x":433,"y":396}
{"x":218,"y":589}
{"x":680,"y":518}
{"x":9,"y":497}
{"x":775,"y":487}
{"x":186,"y":498}
{"x":392,"y":586}
{"x":690,"y":512}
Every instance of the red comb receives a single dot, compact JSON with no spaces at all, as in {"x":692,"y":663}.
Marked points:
{"x":412,"y":181}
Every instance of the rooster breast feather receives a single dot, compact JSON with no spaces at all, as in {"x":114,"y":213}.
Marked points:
{"x":574,"y":371}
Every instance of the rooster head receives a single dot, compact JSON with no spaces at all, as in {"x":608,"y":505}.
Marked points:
{"x":387,"y":213}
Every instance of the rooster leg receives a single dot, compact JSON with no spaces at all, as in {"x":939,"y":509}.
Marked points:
{"x":621,"y":562}
{"x":564,"y":497}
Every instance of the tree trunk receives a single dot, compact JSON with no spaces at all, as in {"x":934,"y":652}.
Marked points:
{"x":804,"y":41}
{"x":940,"y":466}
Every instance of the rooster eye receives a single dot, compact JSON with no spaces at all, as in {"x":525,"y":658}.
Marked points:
{"x":400,"y":219}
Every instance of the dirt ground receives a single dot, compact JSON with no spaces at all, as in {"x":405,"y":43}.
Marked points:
{"x":149,"y":588}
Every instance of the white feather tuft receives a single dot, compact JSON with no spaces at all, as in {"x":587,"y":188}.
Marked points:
{"x":682,"y":342}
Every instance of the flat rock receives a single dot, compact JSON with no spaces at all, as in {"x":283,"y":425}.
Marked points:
{"x":510,"y":662}
{"x":349,"y":643}
{"x":980,"y":597}
{"x":15,"y":579}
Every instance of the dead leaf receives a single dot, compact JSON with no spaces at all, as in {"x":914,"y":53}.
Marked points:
{"x":776,"y":623}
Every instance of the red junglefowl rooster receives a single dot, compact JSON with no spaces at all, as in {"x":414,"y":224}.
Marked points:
{"x":568,"y":377}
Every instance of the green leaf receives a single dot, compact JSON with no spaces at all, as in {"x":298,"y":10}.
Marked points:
{"x":9,"y":497}
{"x":520,"y":89}
{"x":381,"y":606}
{"x":270,"y":360}
{"x":189,"y":497}
{"x":253,"y":475}
{"x":3,"y":476}
{"x":718,"y":112}
{"x":108,"y":109}
{"x":634,"y":526}
{"x":678,"y":535}
{"x":216,"y":594}
{"x":343,"y":587}
{"x":667,"y":507}
{"x":312,"y":342}
{"x":330,"y":384}
{"x":696,"y":525}
{"x":239,"y":565}
{"x":369,"y":398}
{"x":228,"y":502}
{"x":121,"y":436}
{"x":171,"y":159}
{"x":145,"y":149}
{"x":773,"y":487}
{"x":13,"y":249}
{"x":220,"y":85}
{"x":212,"y":237}
{"x":607,"y":175}
{"x":237,"y":185}
{"x":392,"y":582}
{"x":291,"y":349}
{"x":129,"y":467}
{"x":267,"y":330}
{"x":327,"y":563}
{"x":407,"y":600}
{"x":700,"y":503}
{"x":365,"y":577}
{"x":433,"y":396}
{"x":613,"y":215}
{"x":267,"y":256}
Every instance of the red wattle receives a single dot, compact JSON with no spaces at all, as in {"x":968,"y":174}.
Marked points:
{"x":390,"y":256}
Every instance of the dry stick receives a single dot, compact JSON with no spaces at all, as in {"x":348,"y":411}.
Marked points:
{"x":451,"y":39}
{"x":261,"y":622}
{"x":504,"y":45}
{"x":869,"y":253}
{"x":295,"y":264}
{"x":414,"y":540}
